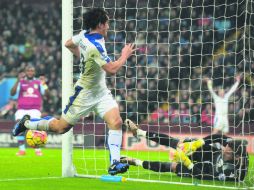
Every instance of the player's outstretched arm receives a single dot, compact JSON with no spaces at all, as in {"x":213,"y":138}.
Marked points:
{"x":113,"y":67}
{"x":234,"y":87}
{"x":210,"y":87}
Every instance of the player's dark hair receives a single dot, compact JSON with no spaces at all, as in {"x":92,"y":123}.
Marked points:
{"x":94,"y":17}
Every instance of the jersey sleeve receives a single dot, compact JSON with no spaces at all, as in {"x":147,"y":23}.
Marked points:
{"x":101,"y":58}
{"x":77,"y":38}
{"x":232,"y":90}
{"x":42,"y":89}
{"x":18,"y":89}
{"x":210,"y":88}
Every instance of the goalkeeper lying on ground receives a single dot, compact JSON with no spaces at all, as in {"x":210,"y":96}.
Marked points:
{"x":213,"y":157}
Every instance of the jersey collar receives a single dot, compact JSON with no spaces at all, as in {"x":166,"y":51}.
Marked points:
{"x":96,"y":36}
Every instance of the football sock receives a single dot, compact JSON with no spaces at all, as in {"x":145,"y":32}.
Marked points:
{"x":157,"y":166}
{"x":37,"y":150}
{"x":22,"y":146}
{"x":139,"y":162}
{"x":39,"y":124}
{"x":141,"y":132}
{"x":114,"y":144}
{"x":21,"y":142}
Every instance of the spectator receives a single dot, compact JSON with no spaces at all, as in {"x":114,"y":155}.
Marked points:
{"x":177,"y":49}
{"x":207,"y":116}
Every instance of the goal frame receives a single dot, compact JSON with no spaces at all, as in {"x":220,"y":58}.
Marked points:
{"x":67,"y":83}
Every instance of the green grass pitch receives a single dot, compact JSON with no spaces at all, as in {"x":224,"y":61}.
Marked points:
{"x":39,"y":173}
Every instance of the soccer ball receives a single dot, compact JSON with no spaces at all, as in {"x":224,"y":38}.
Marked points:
{"x":36,"y":139}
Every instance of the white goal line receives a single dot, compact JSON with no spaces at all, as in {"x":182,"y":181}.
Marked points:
{"x":166,"y":182}
{"x":28,"y":179}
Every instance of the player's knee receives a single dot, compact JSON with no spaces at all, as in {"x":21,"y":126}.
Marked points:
{"x":116,"y":123}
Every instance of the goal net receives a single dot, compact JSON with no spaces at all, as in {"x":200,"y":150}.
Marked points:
{"x":162,"y":86}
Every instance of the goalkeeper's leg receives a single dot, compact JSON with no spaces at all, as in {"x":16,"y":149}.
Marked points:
{"x":188,"y":147}
{"x":178,"y":168}
{"x":162,"y":139}
{"x":155,"y":166}
{"x":176,"y":157}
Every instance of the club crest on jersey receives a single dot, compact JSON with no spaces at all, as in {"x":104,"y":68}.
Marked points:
{"x":30,"y":90}
{"x":36,"y":86}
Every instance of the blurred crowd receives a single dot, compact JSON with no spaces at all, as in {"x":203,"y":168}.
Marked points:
{"x":180,"y":43}
{"x":31,"y":34}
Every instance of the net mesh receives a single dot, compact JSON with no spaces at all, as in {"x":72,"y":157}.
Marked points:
{"x":162,"y":86}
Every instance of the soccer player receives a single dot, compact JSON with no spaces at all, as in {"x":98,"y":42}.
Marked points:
{"x":91,"y":92}
{"x":30,"y":91}
{"x":213,"y":157}
{"x":221,"y":124}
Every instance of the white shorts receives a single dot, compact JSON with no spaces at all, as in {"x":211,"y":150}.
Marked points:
{"x":82,"y":103}
{"x":221,"y":123}
{"x":34,"y":113}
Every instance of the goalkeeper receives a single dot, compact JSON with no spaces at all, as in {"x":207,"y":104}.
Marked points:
{"x":214,"y":157}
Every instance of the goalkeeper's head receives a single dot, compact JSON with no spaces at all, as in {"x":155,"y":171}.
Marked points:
{"x":96,"y":20}
{"x":234,"y":150}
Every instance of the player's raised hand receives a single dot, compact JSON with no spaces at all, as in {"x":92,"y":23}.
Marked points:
{"x":21,"y":76}
{"x":42,"y":79}
{"x":128,"y":50}
{"x":238,"y":78}
{"x":206,"y":79}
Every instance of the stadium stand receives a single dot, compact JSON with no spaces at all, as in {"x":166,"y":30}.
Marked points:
{"x":176,"y":95}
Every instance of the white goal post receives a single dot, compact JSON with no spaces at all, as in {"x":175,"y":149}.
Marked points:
{"x":67,"y":83}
